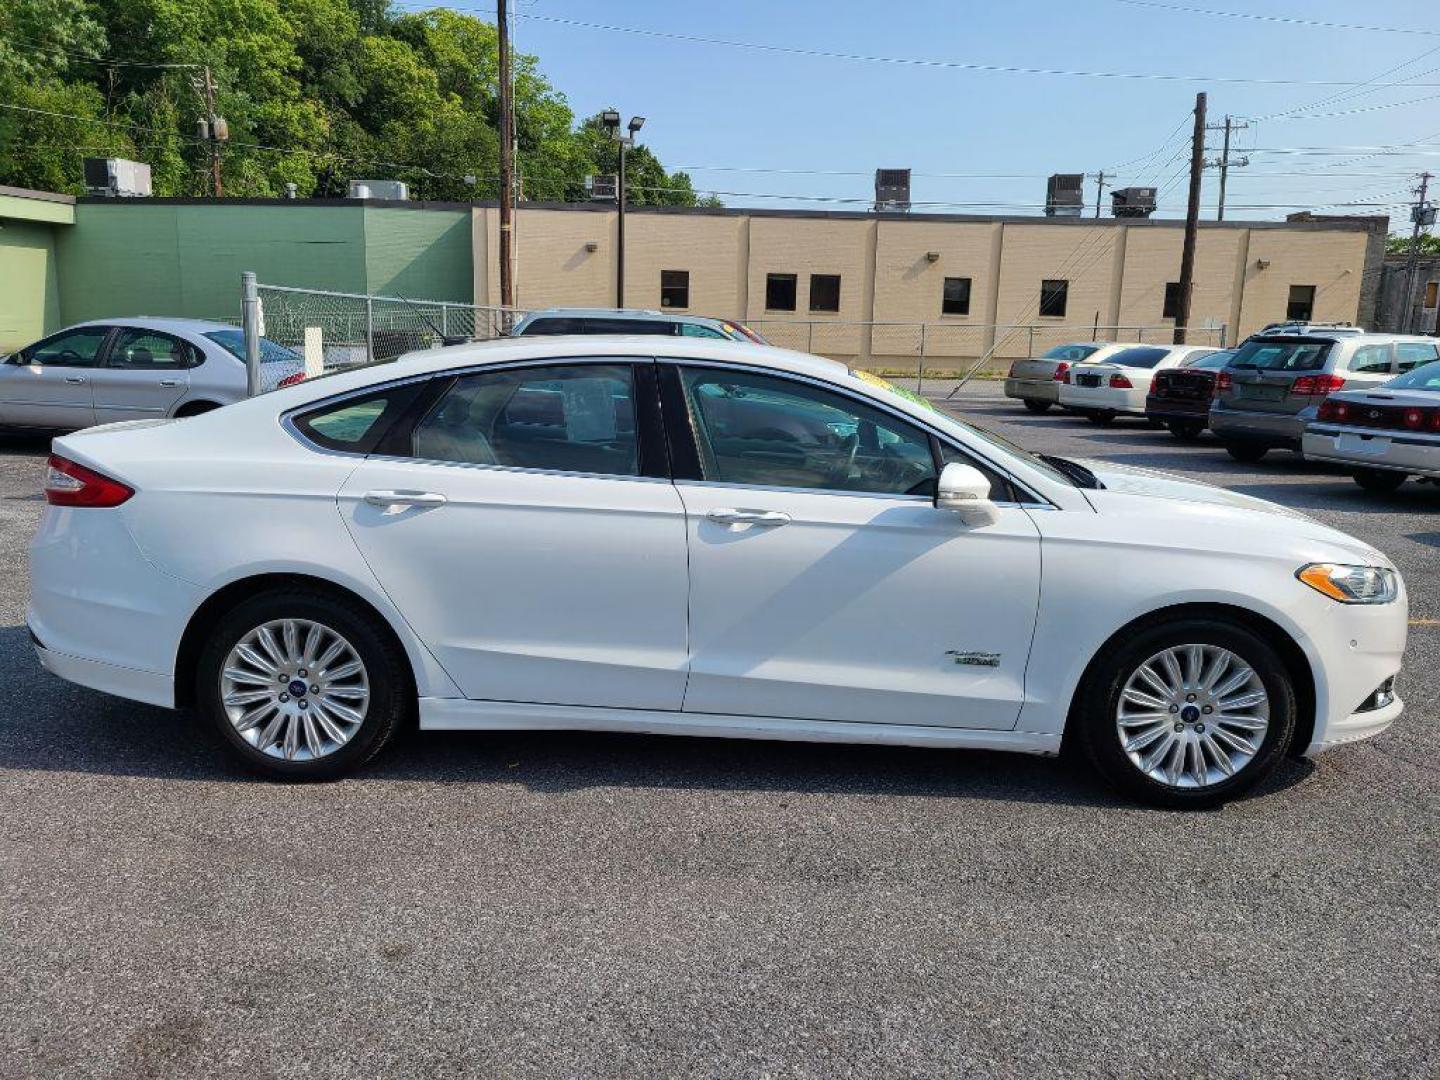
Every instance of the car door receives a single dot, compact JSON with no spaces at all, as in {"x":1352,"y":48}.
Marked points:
{"x":824,"y":583}
{"x":145,"y":372}
{"x":47,"y":385}
{"x":527,"y":529}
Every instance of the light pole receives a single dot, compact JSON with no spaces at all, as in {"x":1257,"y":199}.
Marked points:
{"x":611,"y":119}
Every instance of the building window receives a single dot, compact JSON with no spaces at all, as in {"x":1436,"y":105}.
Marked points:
{"x":1301,"y":307}
{"x":1172,"y":300}
{"x":675,"y":288}
{"x":780,"y":292}
{"x":1053,"y":294}
{"x":955,"y":298}
{"x":1432,"y":294}
{"x":824,"y":292}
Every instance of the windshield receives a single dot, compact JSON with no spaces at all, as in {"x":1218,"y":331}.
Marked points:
{"x":996,"y":440}
{"x":1146,"y":357}
{"x":233,"y":341}
{"x":1071,"y":352}
{"x":1292,"y":354}
{"x":1425,"y":377}
{"x":1210,"y":361}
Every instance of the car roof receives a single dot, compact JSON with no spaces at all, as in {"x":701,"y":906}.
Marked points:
{"x":194,"y":326}
{"x":638,"y":314}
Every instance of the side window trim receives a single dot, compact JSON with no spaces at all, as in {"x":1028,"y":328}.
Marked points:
{"x":685,"y":457}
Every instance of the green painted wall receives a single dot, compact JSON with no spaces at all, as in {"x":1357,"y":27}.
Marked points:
{"x":419,"y":254}
{"x":29,"y":282}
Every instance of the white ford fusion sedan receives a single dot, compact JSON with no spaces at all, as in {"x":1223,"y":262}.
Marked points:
{"x":701,"y":538}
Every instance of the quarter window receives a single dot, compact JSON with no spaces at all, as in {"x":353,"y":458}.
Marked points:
{"x":1301,"y":306}
{"x":579,"y":418}
{"x":824,"y":292}
{"x":780,"y":292}
{"x":147,"y":350}
{"x":674,"y":288}
{"x":760,"y":430}
{"x":955,"y":296}
{"x":356,"y":425}
{"x":1053,"y":297}
{"x":1412,"y":354}
{"x":75,"y":348}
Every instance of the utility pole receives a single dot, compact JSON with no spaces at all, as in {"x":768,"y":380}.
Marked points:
{"x":620,"y":230}
{"x":216,"y":187}
{"x":1192,"y":222}
{"x":1223,"y":161}
{"x":1422,"y":215}
{"x":1099,"y":190}
{"x":507,"y":165}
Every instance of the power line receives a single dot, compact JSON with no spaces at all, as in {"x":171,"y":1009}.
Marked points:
{"x":1285,"y":20}
{"x":35,"y":45}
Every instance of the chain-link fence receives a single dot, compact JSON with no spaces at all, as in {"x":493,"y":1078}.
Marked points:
{"x":346,"y":329}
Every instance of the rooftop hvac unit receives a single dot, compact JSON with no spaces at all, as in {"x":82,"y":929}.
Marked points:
{"x":601,"y":187}
{"x":379,"y":189}
{"x":892,"y":190}
{"x":1132,"y":202}
{"x":1065,"y":195}
{"x":117,"y":178}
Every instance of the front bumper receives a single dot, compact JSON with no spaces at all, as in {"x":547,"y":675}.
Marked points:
{"x":1360,"y":646}
{"x":1033,"y":389}
{"x":1275,"y":429}
{"x":1410,"y":453}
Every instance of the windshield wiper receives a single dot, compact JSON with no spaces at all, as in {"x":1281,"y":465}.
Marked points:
{"x":1079,"y":475}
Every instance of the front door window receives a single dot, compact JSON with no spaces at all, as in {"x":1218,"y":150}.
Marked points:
{"x":75,"y":348}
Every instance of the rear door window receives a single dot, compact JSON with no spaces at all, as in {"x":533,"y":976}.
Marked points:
{"x":1412,"y":354}
{"x":135,"y":349}
{"x":1370,"y":360}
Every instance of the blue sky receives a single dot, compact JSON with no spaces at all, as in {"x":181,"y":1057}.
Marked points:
{"x":715,"y":109}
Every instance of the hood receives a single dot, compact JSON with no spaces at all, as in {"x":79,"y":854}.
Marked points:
{"x":1130,"y":480}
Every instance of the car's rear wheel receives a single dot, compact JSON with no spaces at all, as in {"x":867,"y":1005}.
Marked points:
{"x":1379,"y":481}
{"x":1036,"y":406}
{"x":302,"y":685}
{"x":1186,"y":430}
{"x":1101,"y":416}
{"x":1248,"y":452}
{"x":1188,"y":713}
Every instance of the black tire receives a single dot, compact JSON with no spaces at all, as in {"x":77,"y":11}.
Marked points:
{"x":1186,"y":430}
{"x":1379,"y":481}
{"x":1097,"y":703}
{"x":386,"y":670}
{"x":1036,"y":406}
{"x":1103,"y":417}
{"x":1248,"y":452}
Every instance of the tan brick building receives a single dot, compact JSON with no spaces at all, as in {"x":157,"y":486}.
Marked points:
{"x":867,"y":285}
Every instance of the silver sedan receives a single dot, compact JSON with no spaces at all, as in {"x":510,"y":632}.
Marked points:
{"x":133,"y":369}
{"x":1383,"y":435}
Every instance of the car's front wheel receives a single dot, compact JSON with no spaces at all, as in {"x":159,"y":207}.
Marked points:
{"x":1379,"y":481}
{"x":301,"y":685}
{"x":1188,"y":713}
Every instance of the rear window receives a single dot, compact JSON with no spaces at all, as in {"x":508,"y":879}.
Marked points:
{"x":1294,"y":354}
{"x":1146,"y":357}
{"x":1071,"y":352}
{"x":233,"y":342}
{"x":583,"y":325}
{"x":1426,"y":377}
{"x":1211,"y":361}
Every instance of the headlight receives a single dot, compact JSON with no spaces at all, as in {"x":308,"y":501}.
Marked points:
{"x":1351,"y":584}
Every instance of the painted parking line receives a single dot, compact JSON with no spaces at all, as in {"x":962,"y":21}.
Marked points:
{"x":1425,"y":622}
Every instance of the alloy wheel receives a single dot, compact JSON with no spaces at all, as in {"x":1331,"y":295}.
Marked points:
{"x":294,"y":689}
{"x":1192,"y":716}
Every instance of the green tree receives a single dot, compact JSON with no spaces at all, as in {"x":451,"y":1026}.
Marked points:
{"x":1400,"y":245}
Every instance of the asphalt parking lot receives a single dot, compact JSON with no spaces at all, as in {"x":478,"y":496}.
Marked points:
{"x":587,"y":905}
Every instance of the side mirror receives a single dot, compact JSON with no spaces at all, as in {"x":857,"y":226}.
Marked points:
{"x":966,"y":490}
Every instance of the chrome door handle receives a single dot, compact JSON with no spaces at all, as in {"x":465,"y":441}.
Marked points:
{"x":169,"y":382}
{"x":404,"y":498}
{"x":748,"y":517}
{"x":76,"y":379}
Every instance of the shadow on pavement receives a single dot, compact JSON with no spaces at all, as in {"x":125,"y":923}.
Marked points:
{"x":52,"y":726}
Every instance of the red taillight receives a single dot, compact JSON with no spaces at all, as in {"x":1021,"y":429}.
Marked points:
{"x":1333,"y":410}
{"x":1315,"y":385}
{"x":1223,"y":381}
{"x":1062,"y":372}
{"x":1120,"y":382}
{"x":290,"y":380}
{"x":69,"y":484}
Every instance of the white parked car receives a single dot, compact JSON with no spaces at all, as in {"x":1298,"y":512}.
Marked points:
{"x":1119,"y":384}
{"x":1383,"y":435}
{"x":702,"y":538}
